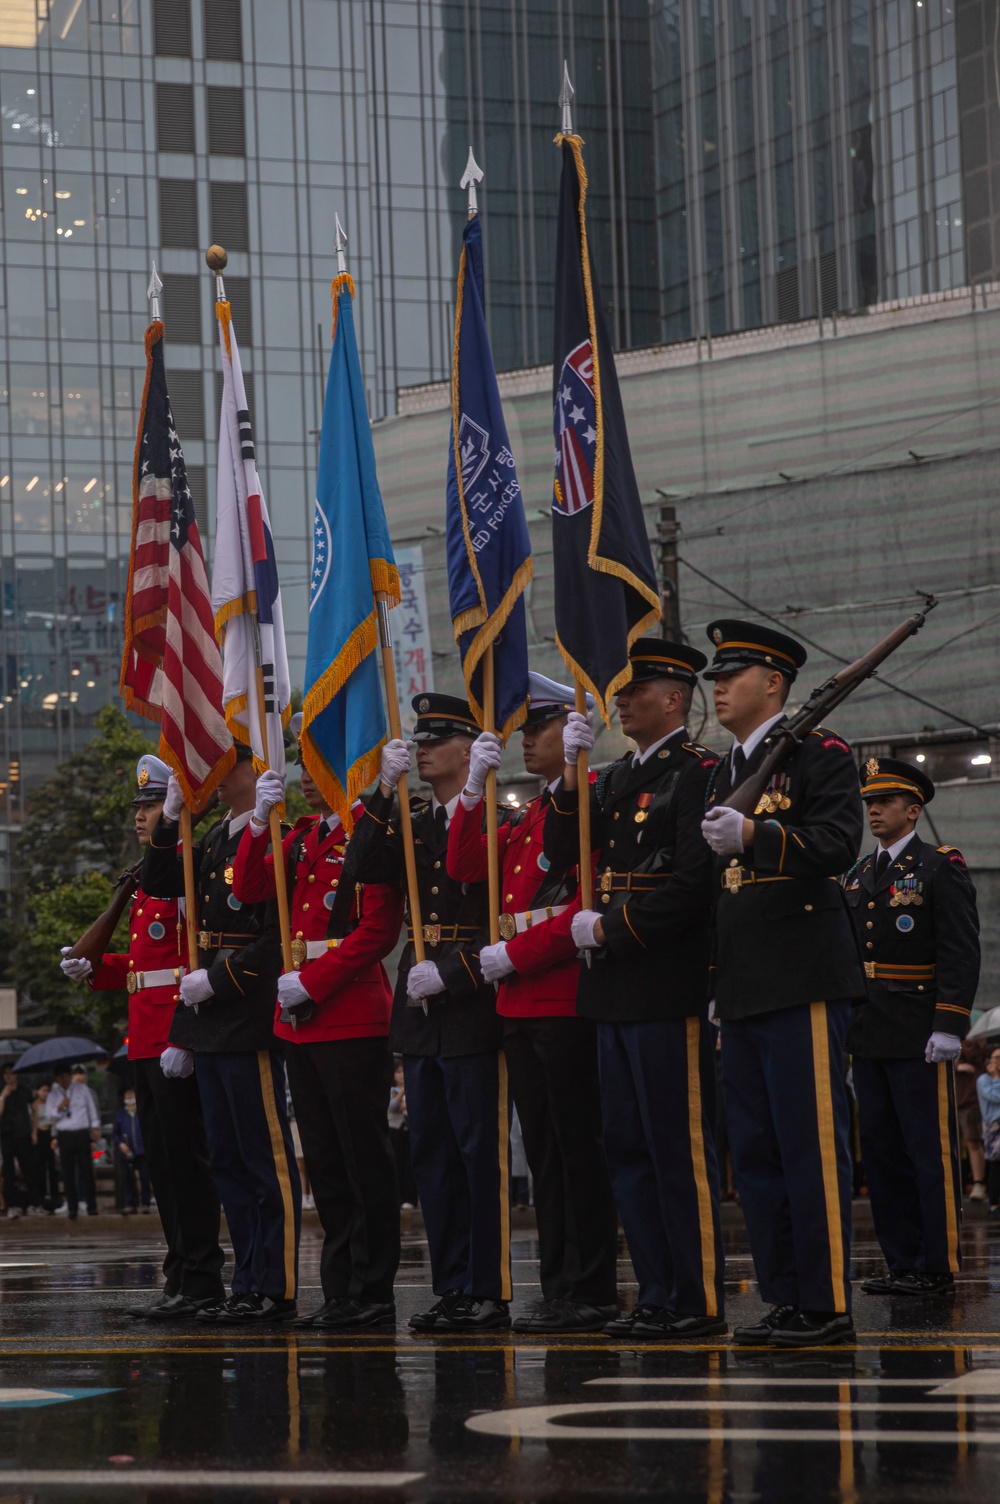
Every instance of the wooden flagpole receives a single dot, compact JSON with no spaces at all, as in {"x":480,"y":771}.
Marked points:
{"x":402,"y":787}
{"x":190,"y":896}
{"x":583,"y":795}
{"x":492,"y":852}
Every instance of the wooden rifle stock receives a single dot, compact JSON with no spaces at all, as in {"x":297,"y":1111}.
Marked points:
{"x":818,"y":706}
{"x":93,"y":943}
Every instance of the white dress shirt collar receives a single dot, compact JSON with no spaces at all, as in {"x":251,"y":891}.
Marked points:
{"x":237,"y":822}
{"x":757,"y":735}
{"x":895,"y":848}
{"x":449,"y":808}
{"x":638,"y":758}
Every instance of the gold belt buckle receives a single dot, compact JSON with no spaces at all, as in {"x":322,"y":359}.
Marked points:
{"x":131,"y":982}
{"x":508,"y":926}
{"x":734,"y":878}
{"x":298,"y":953}
{"x":204,"y":940}
{"x":870,"y":970}
{"x":606,"y":880}
{"x":432,"y":934}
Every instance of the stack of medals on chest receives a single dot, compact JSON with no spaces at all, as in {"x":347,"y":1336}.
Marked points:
{"x":776,"y":796}
{"x":906,"y":891}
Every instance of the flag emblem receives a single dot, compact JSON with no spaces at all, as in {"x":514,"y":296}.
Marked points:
{"x":474,"y":448}
{"x":576,"y":432}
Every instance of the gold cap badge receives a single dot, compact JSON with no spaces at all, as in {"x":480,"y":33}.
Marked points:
{"x":871,"y":767}
{"x":717,"y":637}
{"x":424,"y":704}
{"x":143,"y":778}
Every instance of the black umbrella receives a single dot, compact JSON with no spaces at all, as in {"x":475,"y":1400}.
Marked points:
{"x":11,"y":1047}
{"x":65,"y":1049}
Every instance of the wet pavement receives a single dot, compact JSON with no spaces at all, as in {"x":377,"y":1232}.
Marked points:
{"x":94,"y":1406}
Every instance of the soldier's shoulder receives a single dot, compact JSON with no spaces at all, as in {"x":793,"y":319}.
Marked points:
{"x":606,"y":775}
{"x":706,"y":758}
{"x":827,"y":740}
{"x":949,"y":854}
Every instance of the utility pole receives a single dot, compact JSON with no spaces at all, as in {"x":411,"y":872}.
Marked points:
{"x":666,"y":530}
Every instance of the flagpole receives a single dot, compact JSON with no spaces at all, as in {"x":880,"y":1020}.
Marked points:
{"x":217,"y":258}
{"x":187,"y":839}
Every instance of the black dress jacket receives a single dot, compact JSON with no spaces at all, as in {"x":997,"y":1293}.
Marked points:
{"x":919,"y":934}
{"x":239,"y":944}
{"x":783,"y":933}
{"x":653,"y":884}
{"x":463,"y":1019}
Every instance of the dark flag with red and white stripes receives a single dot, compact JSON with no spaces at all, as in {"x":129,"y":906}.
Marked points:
{"x":172,"y":666}
{"x":605,"y":584}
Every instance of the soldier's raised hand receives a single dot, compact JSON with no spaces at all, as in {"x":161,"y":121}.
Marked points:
{"x":578,"y":735}
{"x":74,"y":967}
{"x":270,"y":793}
{"x":395,"y":762}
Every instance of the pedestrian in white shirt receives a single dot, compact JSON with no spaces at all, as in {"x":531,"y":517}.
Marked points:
{"x":71,"y":1109}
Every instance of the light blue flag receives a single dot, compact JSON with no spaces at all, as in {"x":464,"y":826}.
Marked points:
{"x":343,"y":717}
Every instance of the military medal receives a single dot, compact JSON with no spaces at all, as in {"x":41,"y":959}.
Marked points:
{"x":508,"y":927}
{"x":642,"y":813}
{"x":228,"y":875}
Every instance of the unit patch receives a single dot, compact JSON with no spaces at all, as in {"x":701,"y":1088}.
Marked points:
{"x":905,"y":923}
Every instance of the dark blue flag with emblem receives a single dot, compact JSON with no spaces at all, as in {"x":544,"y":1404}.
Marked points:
{"x":605,"y":584}
{"x":489,"y":552}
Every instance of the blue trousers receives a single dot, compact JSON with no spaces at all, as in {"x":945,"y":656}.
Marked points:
{"x":909,"y":1145}
{"x":788,"y":1119}
{"x":252,"y":1160}
{"x":460,"y":1143}
{"x":657,"y":1108}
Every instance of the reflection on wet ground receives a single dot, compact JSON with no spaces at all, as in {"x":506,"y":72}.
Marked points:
{"x":95,"y":1406}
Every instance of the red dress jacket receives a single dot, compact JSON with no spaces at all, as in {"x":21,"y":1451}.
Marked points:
{"x":544,"y":956}
{"x":348,"y":982}
{"x":156,"y":938}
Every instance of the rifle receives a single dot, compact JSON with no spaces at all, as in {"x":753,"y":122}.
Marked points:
{"x":825,"y":698}
{"x":94,"y":942}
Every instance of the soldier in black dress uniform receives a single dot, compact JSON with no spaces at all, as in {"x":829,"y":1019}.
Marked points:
{"x":646,"y":984}
{"x":914,"y":910}
{"x":223,"y":1029}
{"x":445,"y":1025}
{"x":787,"y":971}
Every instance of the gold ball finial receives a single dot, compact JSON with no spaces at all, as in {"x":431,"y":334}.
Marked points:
{"x":217,"y":258}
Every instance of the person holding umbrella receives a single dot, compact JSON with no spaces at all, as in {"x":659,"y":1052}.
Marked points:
{"x":72,"y":1114}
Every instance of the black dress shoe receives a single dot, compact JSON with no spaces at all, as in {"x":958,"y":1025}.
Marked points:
{"x":764,"y":1329}
{"x":471,"y":1315}
{"x":668,"y":1324}
{"x":141,"y":1313}
{"x":885,"y":1284}
{"x":256,"y":1308}
{"x":814,"y":1329}
{"x":565,"y":1316}
{"x":623,"y":1325}
{"x":426,"y":1321}
{"x":176,"y":1308}
{"x":354,"y":1312}
{"x":214,"y":1309}
{"x":917,"y":1284}
{"x":312,"y":1317}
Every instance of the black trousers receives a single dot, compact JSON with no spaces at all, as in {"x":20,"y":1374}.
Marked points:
{"x":340,"y":1091}
{"x":177,"y":1157}
{"x":77,"y":1168}
{"x":18,"y":1181}
{"x":552,"y":1065}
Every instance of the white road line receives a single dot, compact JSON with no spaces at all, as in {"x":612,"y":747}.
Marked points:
{"x":201,"y":1478}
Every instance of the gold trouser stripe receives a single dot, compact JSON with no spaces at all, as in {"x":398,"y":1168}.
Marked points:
{"x":280,"y":1167}
{"x":503,"y":1137}
{"x":948,"y":1169}
{"x":706,"y":1226}
{"x":294,"y":1403}
{"x":828,"y":1151}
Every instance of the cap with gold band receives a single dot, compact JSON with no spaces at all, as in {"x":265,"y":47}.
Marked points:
{"x":441,"y":716}
{"x":656,"y":658}
{"x":884,"y":776}
{"x":151,"y":777}
{"x":738,"y":644}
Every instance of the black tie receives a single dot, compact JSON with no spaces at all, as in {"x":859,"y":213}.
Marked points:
{"x":322,"y":831}
{"x":441,"y":819}
{"x":881,"y":864}
{"x":739,"y":765}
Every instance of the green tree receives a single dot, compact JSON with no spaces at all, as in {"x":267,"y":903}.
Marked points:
{"x":58,"y":916}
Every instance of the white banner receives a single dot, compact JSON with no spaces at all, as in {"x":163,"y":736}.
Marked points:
{"x":411,"y":634}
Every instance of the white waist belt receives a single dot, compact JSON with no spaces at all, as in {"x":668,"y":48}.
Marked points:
{"x":516,"y":924}
{"x":168,"y":977}
{"x":309,"y":950}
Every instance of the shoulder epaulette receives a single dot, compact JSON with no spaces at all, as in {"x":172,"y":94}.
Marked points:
{"x":830,"y":738}
{"x":945,"y":849}
{"x":708,"y":757}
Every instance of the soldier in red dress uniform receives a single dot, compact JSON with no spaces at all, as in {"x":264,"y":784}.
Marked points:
{"x":333,"y":1014}
{"x":169,"y":1109}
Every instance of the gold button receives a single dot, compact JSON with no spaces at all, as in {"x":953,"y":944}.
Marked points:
{"x":434,"y":890}
{"x":605,"y":897}
{"x":335,"y":883}
{"x":527,"y":840}
{"x":809,"y":908}
{"x":177,"y":997}
{"x":871,"y":905}
{"x":311,"y":878}
{"x":920,"y":988}
{"x":138,"y":911}
{"x":434,"y":916}
{"x":305,"y":906}
{"x":134,"y":935}
{"x":509,"y":898}
{"x":869,"y":925}
{"x":298,"y":934}
{"x":518,"y":867}
{"x":870,"y":945}
{"x":616,"y":814}
{"x":211,"y":874}
{"x":611,"y":843}
{"x":436,"y":866}
{"x":155,"y":916}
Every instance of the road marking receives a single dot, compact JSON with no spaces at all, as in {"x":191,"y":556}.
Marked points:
{"x":288,"y":1480}
{"x":25,"y":1399}
{"x":977,"y":1381}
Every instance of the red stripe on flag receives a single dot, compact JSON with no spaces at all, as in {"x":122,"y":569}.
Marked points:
{"x":258,"y":538}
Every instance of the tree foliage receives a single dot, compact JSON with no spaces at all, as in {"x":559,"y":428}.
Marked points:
{"x":58,"y":917}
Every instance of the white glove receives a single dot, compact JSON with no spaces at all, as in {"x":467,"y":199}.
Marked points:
{"x":290,"y":989}
{"x":578,"y":735}
{"x":174,"y":802}
{"x":942,"y":1047}
{"x":175,"y":1062}
{"x":196,"y":988}
{"x":484,"y":757}
{"x":722,"y":828}
{"x":582,"y":928}
{"x":495,"y":962}
{"x":424,"y":980}
{"x":270,"y":792}
{"x":395,"y":762}
{"x":74,"y":967}
{"x":711,"y":1012}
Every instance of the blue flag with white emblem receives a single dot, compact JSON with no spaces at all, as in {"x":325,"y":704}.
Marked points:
{"x":343,"y":717}
{"x":489,"y":552}
{"x":605,"y":583}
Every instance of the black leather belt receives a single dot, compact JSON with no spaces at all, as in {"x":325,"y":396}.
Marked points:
{"x":631,"y":882}
{"x":435,"y":934}
{"x":215,"y":940}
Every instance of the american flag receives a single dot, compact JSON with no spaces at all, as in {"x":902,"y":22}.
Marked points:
{"x":576,"y":431}
{"x":172,"y":666}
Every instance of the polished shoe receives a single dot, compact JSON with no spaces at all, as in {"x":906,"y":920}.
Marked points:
{"x":668,"y":1324}
{"x":150,"y":1309}
{"x":764,"y":1329}
{"x":814,"y":1329}
{"x":311,"y":1317}
{"x":354,"y":1312}
{"x":471,"y":1315}
{"x":174,"y":1308}
{"x":256,"y":1307}
{"x":624,"y":1325}
{"x":915,"y":1284}
{"x":885,"y":1284}
{"x":427,"y":1321}
{"x":214,"y":1309}
{"x":565,"y":1316}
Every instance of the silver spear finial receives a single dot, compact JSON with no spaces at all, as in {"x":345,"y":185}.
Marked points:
{"x":566,"y":94}
{"x":339,"y":244}
{"x":153,"y":294}
{"x":473,"y":174}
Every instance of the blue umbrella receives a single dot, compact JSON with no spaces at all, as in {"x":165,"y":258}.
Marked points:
{"x":66,"y":1048}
